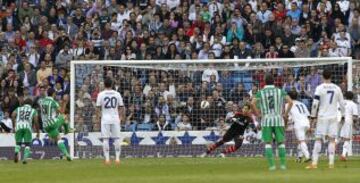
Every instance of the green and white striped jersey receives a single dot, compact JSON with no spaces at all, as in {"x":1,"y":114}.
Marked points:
{"x":271,"y":101}
{"x":24,"y":117}
{"x":48,"y":108}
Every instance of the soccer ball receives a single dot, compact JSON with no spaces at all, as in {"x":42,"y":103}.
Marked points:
{"x":204,"y":104}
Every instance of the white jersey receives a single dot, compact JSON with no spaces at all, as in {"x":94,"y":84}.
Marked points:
{"x":329,"y":97}
{"x":109,"y":101}
{"x":351,"y":109}
{"x":299,"y":114}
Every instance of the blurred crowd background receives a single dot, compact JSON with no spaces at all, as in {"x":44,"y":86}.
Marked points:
{"x":39,"y":38}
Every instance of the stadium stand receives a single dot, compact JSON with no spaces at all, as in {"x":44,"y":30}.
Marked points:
{"x":39,"y":38}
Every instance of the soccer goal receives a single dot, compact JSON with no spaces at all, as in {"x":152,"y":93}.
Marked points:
{"x":177,"y":107}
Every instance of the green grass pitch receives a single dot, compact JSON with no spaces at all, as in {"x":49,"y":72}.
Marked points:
{"x":175,"y":170}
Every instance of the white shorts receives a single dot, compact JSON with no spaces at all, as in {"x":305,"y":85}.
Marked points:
{"x":300,"y":133}
{"x":346,"y":131}
{"x":110,"y":130}
{"x":327,"y":127}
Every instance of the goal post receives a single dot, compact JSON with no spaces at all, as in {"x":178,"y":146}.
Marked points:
{"x":143,"y":141}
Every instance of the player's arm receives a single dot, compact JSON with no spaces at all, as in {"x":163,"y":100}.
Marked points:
{"x":288,"y":118}
{"x":57,"y":107}
{"x":253,"y":106}
{"x":122,"y":114}
{"x":341,"y":102}
{"x":121,"y":109}
{"x":13,"y":116}
{"x":98,"y":108}
{"x":287,"y":110}
{"x":315,"y":104}
{"x":355,"y":114}
{"x":36,"y":125}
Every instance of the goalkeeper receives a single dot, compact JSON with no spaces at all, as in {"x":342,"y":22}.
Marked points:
{"x":240,"y":122}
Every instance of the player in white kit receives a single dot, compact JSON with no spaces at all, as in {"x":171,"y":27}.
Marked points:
{"x":350,"y":114}
{"x":299,"y":114}
{"x":110,"y":103}
{"x":325,"y":105}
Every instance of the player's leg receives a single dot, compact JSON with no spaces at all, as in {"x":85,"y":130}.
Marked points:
{"x":332,"y":134}
{"x":267,"y":133}
{"x":280,"y":140}
{"x":238,"y":140}
{"x":18,"y":139}
{"x":105,"y":131}
{"x":226,"y":138}
{"x":300,"y":155}
{"x":301,"y":137}
{"x":64,"y":123}
{"x":320,"y":131}
{"x":54,"y":134}
{"x":27,"y":142}
{"x":299,"y":152}
{"x":115,"y":134}
{"x":345,"y":134}
{"x":60,"y":121}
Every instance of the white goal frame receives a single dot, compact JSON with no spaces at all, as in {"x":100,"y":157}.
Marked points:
{"x":348,"y":60}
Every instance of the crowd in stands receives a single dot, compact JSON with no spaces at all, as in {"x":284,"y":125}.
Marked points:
{"x":39,"y":38}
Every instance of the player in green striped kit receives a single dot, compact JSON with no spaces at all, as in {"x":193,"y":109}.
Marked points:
{"x":23,"y":118}
{"x":270,"y":100}
{"x":53,"y":120}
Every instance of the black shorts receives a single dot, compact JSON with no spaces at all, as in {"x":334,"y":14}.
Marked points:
{"x":234,"y":132}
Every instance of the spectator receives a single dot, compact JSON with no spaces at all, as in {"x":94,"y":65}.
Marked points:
{"x":272,"y":53}
{"x":6,"y":124}
{"x":242,"y":52}
{"x":162,"y":124}
{"x":43,"y":72}
{"x":291,"y":84}
{"x":279,"y":12}
{"x":234,"y":33}
{"x":80,"y":125}
{"x":302,"y":51}
{"x":64,"y":57}
{"x":286,"y":53}
{"x":294,"y":12}
{"x":209,"y":72}
{"x":28,"y":77}
{"x":184,"y":124}
{"x":264,"y":13}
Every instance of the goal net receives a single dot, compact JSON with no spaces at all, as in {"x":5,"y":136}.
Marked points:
{"x":178,"y":107}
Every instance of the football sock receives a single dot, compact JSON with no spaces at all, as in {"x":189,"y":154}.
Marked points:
{"x":300,"y":154}
{"x":304,"y":150}
{"x":106,"y":149}
{"x":117,"y":149}
{"x":66,"y":127}
{"x":229,"y":149}
{"x":26,"y":153}
{"x":316,"y":151}
{"x":331,"y":151}
{"x":269,"y":155}
{"x":345,"y":148}
{"x":17,"y":149}
{"x":62,"y":147}
{"x":349,"y":149}
{"x":212,"y":147}
{"x":282,"y":154}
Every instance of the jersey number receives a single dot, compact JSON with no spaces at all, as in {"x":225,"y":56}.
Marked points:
{"x":300,"y":108}
{"x":271,"y":103}
{"x":24,"y":115}
{"x":110,"y":102}
{"x":331,"y":93}
{"x":43,"y":109}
